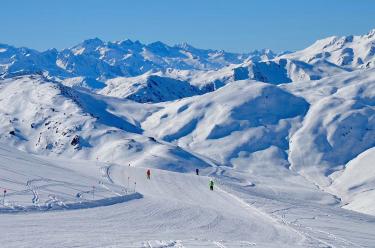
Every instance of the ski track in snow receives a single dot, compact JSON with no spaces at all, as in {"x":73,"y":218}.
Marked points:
{"x":281,"y":220}
{"x":329,"y":239}
{"x":49,"y":194}
{"x":204,"y":243}
{"x":218,"y":244}
{"x":171,"y":210}
{"x":242,"y":204}
{"x":299,"y":146}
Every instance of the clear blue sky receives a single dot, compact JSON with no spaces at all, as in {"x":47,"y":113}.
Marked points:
{"x":233,"y":25}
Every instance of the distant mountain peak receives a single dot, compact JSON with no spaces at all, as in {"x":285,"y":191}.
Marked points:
{"x":125,"y":42}
{"x":157,"y":43}
{"x":102,"y":60}
{"x":371,"y":33}
{"x":93,"y":41}
{"x":184,"y":46}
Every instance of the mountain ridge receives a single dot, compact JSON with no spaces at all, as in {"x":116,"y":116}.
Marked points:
{"x":122,"y":54}
{"x":95,"y":65}
{"x":284,"y":116}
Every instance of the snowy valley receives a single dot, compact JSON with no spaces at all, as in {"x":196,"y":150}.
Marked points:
{"x":288,"y":139}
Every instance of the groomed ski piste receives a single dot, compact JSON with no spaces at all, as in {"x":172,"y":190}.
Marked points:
{"x":288,"y":140}
{"x":71,"y":203}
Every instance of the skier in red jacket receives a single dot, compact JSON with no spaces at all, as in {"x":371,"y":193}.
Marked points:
{"x":148,"y":174}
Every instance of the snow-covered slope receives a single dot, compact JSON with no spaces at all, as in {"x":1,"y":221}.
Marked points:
{"x":170,"y":210}
{"x":281,"y":70}
{"x":129,"y":67}
{"x":315,"y":127}
{"x":96,"y":59}
{"x":249,"y":125}
{"x":351,"y":52}
{"x":164,"y":86}
{"x":288,"y":140}
{"x":324,"y":58}
{"x":35,"y":184}
{"x":356,"y":184}
{"x":45,"y":117}
{"x":232,"y":122}
{"x":338,"y":126}
{"x":149,"y":88}
{"x":24,"y":60}
{"x":126,"y":68}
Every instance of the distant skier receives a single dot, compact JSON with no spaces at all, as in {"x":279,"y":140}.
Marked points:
{"x":148,"y":174}
{"x":211,"y":184}
{"x":197,"y":171}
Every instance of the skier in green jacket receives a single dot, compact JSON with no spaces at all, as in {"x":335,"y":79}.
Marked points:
{"x":211,"y":184}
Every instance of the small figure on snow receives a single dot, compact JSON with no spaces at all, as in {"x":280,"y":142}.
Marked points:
{"x":148,"y":174}
{"x":211,"y":184}
{"x":197,"y":171}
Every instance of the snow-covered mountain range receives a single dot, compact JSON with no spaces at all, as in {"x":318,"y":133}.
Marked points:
{"x":97,"y":59}
{"x":298,"y":127}
{"x":98,"y":66}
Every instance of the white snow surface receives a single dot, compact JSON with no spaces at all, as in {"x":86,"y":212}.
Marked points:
{"x":169,"y":210}
{"x":338,"y":126}
{"x":348,"y":51}
{"x":289,"y":141}
{"x":182,"y":70}
{"x":355,"y":185}
{"x":45,"y":117}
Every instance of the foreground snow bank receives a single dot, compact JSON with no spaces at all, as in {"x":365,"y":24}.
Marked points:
{"x":72,"y":206}
{"x":30,"y":184}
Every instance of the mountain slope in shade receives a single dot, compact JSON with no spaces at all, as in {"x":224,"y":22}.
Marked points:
{"x":149,"y":88}
{"x":280,"y":70}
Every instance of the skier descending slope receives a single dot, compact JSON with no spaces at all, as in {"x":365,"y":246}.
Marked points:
{"x":211,"y":184}
{"x":148,"y":174}
{"x":197,"y":171}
